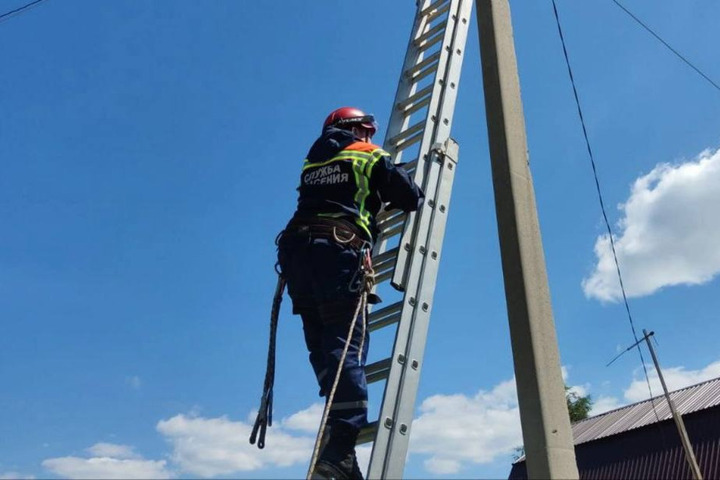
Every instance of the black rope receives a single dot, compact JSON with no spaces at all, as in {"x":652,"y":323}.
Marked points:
{"x":264,"y":415}
{"x":602,"y":205}
{"x":19,"y":9}
{"x":717,"y":87}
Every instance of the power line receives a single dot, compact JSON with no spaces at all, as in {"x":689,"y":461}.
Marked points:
{"x":602,"y":204}
{"x":20,"y":9}
{"x":666,"y":44}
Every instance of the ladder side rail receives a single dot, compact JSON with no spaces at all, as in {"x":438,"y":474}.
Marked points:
{"x":439,"y":117}
{"x":451,"y":80}
{"x":416,"y":66}
{"x":425,"y":127}
{"x":407,"y":87}
{"x":405,"y":407}
{"x":437,"y":88}
{"x":386,"y":422}
{"x":389,"y":448}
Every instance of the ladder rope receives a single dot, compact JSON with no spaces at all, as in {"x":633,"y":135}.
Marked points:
{"x":369,"y":285}
{"x":328,"y":404}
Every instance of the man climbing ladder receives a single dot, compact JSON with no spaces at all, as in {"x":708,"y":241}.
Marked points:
{"x":324,"y":256}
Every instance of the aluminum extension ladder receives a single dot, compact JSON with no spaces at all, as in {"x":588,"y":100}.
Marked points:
{"x":408,"y":249}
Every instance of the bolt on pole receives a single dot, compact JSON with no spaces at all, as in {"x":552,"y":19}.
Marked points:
{"x":547,"y":433}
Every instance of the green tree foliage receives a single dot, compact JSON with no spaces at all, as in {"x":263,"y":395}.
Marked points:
{"x":578,"y":406}
{"x":578,"y":409}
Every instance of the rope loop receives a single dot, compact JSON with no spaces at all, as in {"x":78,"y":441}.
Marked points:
{"x":342,"y":241}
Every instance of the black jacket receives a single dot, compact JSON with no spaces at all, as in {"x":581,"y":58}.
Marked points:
{"x":348,"y":179}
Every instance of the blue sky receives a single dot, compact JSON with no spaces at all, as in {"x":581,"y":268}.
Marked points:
{"x":149,"y":153}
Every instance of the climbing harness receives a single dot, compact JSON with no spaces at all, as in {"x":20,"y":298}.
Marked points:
{"x":368,"y":283}
{"x":343,"y":241}
{"x":264,"y":415}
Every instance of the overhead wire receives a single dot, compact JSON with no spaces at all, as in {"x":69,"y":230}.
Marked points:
{"x":602,"y":204}
{"x":678,"y":54}
{"x":19,"y":9}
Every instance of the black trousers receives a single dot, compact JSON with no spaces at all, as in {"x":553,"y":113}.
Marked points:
{"x":324,"y":280}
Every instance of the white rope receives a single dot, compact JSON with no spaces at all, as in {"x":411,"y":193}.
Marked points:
{"x":362,"y":338}
{"x":316,"y":451}
{"x":369,"y":285}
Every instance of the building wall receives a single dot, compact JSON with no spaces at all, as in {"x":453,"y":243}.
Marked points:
{"x":651,"y":452}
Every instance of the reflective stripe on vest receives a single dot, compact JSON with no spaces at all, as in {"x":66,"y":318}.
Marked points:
{"x":363,"y":160}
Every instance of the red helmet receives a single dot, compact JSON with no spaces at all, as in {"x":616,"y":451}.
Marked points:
{"x":346,"y":117}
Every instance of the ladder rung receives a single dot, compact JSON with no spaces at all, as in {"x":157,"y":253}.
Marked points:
{"x":437,"y":6}
{"x":392,"y":221}
{"x":386,"y":235}
{"x":367,"y":433}
{"x":409,"y":142}
{"x":384,"y":276}
{"x":386,"y":257}
{"x":386,"y":266}
{"x":410,"y":166}
{"x":423,"y":103}
{"x":385,"y":214}
{"x":429,"y":43}
{"x":407,"y":133}
{"x":415,"y":97}
{"x":414,"y":74}
{"x":440,"y":27}
{"x":378,"y":371}
{"x":385,"y":316}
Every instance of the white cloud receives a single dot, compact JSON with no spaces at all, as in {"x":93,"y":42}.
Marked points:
{"x":112,"y":450}
{"x":604,"y":404}
{"x":15,"y":476}
{"x":579,"y":390}
{"x":363,"y":456}
{"x":106,"y":468}
{"x":457,"y":430}
{"x":442,"y":466}
{"x":307,"y":420}
{"x":668,"y":235}
{"x":675,"y":378}
{"x":209,"y":447}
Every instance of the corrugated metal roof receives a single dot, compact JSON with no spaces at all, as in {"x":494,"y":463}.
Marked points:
{"x":687,"y":400}
{"x":653,"y":452}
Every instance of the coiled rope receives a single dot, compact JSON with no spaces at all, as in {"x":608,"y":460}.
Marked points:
{"x":264,"y":415}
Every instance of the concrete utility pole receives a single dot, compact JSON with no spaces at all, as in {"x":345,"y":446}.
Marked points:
{"x":687,"y":446}
{"x":541,"y":393}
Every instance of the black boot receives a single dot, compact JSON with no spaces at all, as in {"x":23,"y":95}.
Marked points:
{"x":337,"y":460}
{"x":344,"y":469}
